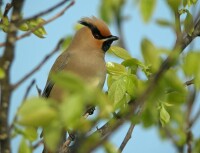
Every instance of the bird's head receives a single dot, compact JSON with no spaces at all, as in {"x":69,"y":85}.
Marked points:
{"x":95,"y":33}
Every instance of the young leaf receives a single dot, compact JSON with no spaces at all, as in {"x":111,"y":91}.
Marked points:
{"x":106,"y":10}
{"x":52,"y":135}
{"x":146,"y":9}
{"x":69,"y":81}
{"x":117,"y":90}
{"x":5,"y":24}
{"x":131,"y":84}
{"x":150,"y":54}
{"x":36,"y":112}
{"x":110,"y":148}
{"x":189,"y":24}
{"x":191,"y":64}
{"x":164,"y":23}
{"x":174,"y":4}
{"x":164,"y":116}
{"x":120,"y":52}
{"x":24,"y":27}
{"x":40,"y":32}
{"x":115,"y":68}
{"x":23,"y":147}
{"x":31,"y":133}
{"x":2,"y":73}
{"x":71,"y":117}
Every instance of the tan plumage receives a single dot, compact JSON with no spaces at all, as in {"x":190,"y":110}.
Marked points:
{"x":84,"y":56}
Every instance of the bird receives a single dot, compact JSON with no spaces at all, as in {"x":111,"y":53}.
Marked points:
{"x":84,"y":57}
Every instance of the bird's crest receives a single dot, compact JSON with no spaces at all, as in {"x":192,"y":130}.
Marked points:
{"x":96,"y":24}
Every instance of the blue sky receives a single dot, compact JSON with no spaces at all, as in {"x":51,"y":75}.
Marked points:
{"x":32,"y":50}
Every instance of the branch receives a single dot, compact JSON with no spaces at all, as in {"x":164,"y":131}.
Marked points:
{"x":45,"y":12}
{"x":7,"y":9}
{"x":28,"y":89}
{"x":195,"y":118}
{"x":190,"y":82}
{"x":127,"y":137}
{"x":38,"y":66}
{"x":44,"y":23}
{"x":6,"y":62}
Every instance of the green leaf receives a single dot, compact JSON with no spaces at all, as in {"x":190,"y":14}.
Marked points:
{"x":110,"y":148}
{"x":131,"y":85}
{"x":23,"y":147}
{"x":115,"y":68}
{"x":117,"y":90}
{"x":68,"y":81}
{"x":36,"y":112}
{"x":164,"y":23}
{"x":71,"y":117}
{"x":146,"y":9}
{"x":24,"y":27}
{"x":191,"y":66}
{"x":40,"y":32}
{"x":120,"y":52}
{"x":2,"y":73}
{"x":52,"y":135}
{"x":172,"y":82}
{"x":106,"y":11}
{"x":164,"y":116}
{"x":189,"y":24}
{"x":5,"y":24}
{"x":31,"y":133}
{"x":174,"y":4}
{"x":189,"y":2}
{"x":150,"y":54}
{"x":66,"y":42}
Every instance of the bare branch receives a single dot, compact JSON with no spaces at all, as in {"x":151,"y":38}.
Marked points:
{"x":37,"y":144}
{"x":28,"y":89}
{"x":38,"y":66}
{"x":42,"y":24}
{"x":127,"y":137}
{"x":7,"y":9}
{"x":45,"y":12}
{"x":196,"y":117}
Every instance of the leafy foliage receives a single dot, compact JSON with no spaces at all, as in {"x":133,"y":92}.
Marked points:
{"x":34,"y":24}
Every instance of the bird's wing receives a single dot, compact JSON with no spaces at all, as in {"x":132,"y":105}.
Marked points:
{"x":59,"y":65}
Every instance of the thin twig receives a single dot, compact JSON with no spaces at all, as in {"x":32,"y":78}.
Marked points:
{"x":127,"y":137}
{"x":28,"y":89}
{"x":190,"y":82}
{"x":43,"y":23}
{"x":35,"y":146}
{"x":7,"y":9}
{"x":45,"y":12}
{"x":38,"y":66}
{"x":196,"y":117}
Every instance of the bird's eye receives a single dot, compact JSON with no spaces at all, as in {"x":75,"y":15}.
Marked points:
{"x":96,"y":35}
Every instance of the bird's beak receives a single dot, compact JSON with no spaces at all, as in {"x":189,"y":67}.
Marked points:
{"x":112,"y":38}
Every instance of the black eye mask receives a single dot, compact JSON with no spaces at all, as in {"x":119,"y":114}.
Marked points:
{"x":95,"y":31}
